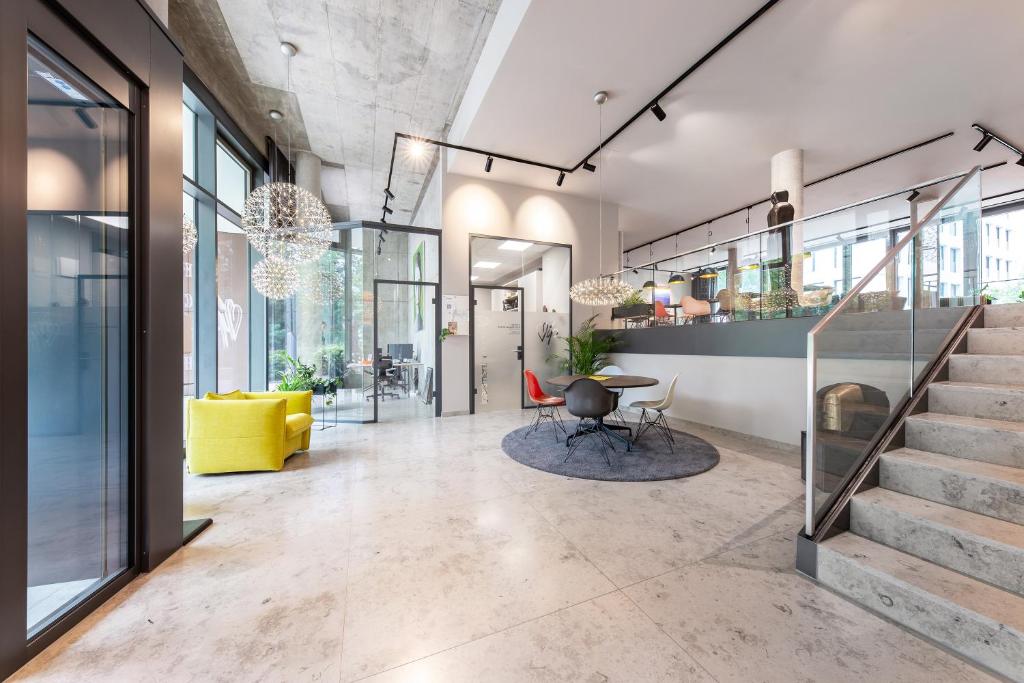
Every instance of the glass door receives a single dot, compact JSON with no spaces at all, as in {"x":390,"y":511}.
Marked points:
{"x":406,"y":344}
{"x":496,"y":324}
{"x":79,"y":263}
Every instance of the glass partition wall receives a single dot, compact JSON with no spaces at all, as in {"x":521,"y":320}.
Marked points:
{"x":366,"y":320}
{"x":520,"y":310}
{"x":805,"y":268}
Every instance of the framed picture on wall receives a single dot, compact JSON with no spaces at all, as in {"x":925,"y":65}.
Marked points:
{"x":417,"y":275}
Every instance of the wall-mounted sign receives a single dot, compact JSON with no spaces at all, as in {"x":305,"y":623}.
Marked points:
{"x":456,"y":313}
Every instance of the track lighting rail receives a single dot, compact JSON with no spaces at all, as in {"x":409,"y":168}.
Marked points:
{"x":988,"y":136}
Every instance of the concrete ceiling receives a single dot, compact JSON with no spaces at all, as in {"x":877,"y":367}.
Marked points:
{"x":365,"y":69}
{"x":845,"y":81}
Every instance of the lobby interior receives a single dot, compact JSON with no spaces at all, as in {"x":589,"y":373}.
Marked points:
{"x":512,"y":340}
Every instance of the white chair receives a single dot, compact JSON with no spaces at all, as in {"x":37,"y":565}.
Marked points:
{"x":659,"y":424}
{"x":615,"y":370}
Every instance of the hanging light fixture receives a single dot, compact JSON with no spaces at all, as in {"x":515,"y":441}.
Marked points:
{"x":189,"y":235}
{"x":282,"y":220}
{"x":601,"y":290}
{"x":275,"y":278}
{"x":321,"y":287}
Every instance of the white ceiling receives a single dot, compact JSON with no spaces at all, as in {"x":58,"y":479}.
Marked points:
{"x":845,"y":81}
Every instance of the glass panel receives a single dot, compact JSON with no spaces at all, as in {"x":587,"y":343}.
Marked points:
{"x":407,"y":340}
{"x":78,"y":357}
{"x":872,"y":352}
{"x":232,"y":307}
{"x":188,"y":142}
{"x":497,"y":340}
{"x":232,"y":179}
{"x":188,"y":306}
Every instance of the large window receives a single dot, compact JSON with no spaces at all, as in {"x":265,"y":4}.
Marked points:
{"x":232,"y":179}
{"x":232,"y":307}
{"x":78,"y":337}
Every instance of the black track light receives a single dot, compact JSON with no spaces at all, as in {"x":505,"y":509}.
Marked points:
{"x":913,"y":195}
{"x":1020,"y":162}
{"x":587,"y":166}
{"x":487,"y":164}
{"x":985,"y":139}
{"x":388,"y":210}
{"x":561,"y":178}
{"x":389,"y":193}
{"x":658,"y":111}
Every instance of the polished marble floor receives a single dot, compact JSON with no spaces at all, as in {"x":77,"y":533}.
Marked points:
{"x":420,"y":552}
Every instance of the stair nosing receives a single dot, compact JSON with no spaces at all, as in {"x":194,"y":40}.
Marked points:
{"x":968,"y":421}
{"x":987,"y":386}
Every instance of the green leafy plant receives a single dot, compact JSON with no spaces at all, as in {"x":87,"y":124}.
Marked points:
{"x":634,"y":299}
{"x":586,"y":352}
{"x":302,"y":377}
{"x":445,"y":333}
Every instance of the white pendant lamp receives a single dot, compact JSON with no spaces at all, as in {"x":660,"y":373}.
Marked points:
{"x":601,"y":290}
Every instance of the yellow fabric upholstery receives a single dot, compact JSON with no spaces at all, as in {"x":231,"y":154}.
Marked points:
{"x":242,"y":432}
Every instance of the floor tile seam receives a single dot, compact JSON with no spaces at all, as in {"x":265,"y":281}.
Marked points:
{"x":443,"y":506}
{"x":487,"y":635}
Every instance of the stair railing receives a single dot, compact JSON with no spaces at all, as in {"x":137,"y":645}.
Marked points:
{"x":867,"y":355}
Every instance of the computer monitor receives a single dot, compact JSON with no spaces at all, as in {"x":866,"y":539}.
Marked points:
{"x":400,"y":351}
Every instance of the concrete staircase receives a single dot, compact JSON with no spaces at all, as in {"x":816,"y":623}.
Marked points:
{"x":938,"y":546}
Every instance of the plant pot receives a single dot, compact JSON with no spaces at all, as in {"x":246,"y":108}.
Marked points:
{"x":632,"y":311}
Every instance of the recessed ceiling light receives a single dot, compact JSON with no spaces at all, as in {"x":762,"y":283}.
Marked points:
{"x":486,"y":265}
{"x":515,"y":245}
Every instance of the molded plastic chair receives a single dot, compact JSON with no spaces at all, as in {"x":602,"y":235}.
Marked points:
{"x":661,"y":314}
{"x":547,"y":406}
{"x":588,"y":400}
{"x":693,"y":308}
{"x":614,"y":370}
{"x":659,"y":424}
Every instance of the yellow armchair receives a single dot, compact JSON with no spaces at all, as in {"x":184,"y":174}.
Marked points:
{"x":246,"y":431}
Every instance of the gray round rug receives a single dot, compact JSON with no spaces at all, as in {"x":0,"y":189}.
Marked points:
{"x":650,"y":459}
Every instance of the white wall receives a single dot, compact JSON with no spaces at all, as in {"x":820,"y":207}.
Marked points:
{"x":763,"y":397}
{"x":555,"y":273}
{"x":482,"y":207}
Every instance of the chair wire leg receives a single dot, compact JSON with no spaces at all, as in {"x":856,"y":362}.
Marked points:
{"x":535,"y":423}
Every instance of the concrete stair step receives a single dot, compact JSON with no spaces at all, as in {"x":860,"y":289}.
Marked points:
{"x":999,"y":442}
{"x":975,"y":399}
{"x":986,"y":368}
{"x":987,"y":549}
{"x":1004,"y":315}
{"x":976,"y":620}
{"x":996,"y":340}
{"x":992,"y":490}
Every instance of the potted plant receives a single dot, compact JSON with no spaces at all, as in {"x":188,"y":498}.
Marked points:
{"x":301,"y":377}
{"x":586,"y":352}
{"x":633,"y":306}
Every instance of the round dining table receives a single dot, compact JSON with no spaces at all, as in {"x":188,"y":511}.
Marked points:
{"x":609,"y":382}
{"x":612,"y":381}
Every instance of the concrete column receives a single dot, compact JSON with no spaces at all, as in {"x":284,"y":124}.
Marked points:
{"x":788,"y":174}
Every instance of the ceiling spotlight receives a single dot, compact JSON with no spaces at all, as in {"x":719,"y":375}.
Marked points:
{"x":985,"y":139}
{"x":658,"y":111}
{"x":561,"y":178}
{"x":913,"y":195}
{"x":275,"y":115}
{"x":487,"y":164}
{"x":587,"y":166}
{"x":389,"y":193}
{"x":1020,"y":162}
{"x":388,"y":210}
{"x":417,"y":148}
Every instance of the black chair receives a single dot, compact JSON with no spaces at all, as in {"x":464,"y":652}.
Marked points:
{"x":386,"y":379}
{"x":590,"y":402}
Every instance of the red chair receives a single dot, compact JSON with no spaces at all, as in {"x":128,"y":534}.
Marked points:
{"x":547,"y":406}
{"x":661,"y":314}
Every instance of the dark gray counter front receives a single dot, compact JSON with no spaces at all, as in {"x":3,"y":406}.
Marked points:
{"x":781,"y":338}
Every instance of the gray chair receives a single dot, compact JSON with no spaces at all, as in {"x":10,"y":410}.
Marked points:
{"x":652,"y":416}
{"x":590,"y":402}
{"x":615,"y":370}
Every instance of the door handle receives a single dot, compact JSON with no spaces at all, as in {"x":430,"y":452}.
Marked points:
{"x":519,"y":353}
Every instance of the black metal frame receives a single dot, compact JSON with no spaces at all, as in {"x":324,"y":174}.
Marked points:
{"x":118,"y":44}
{"x":437,"y":329}
{"x":472,"y":304}
{"x":521,"y":349}
{"x":659,"y":424}
{"x":551,"y":413}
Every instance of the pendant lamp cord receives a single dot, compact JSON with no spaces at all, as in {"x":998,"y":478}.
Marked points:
{"x":600,"y":186}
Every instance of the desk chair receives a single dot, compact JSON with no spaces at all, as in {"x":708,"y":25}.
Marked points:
{"x":659,"y":424}
{"x":590,"y":402}
{"x":547,"y":406}
{"x":386,"y":379}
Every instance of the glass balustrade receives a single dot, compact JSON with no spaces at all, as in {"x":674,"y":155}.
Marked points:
{"x":902,"y":300}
